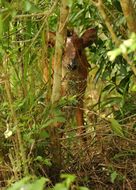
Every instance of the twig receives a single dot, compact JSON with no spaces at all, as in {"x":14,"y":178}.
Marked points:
{"x":23,"y":41}
{"x":24,"y":16}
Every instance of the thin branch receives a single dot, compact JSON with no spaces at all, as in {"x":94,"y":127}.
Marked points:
{"x":24,"y":16}
{"x":22,"y":41}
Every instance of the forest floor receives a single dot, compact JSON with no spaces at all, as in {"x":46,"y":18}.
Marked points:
{"x":105,"y":162}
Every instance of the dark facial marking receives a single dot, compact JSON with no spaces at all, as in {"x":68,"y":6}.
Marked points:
{"x":73,"y":65}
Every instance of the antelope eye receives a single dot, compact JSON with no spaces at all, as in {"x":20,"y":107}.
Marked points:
{"x":69,"y":33}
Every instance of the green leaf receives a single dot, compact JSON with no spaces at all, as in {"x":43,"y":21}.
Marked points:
{"x":108,"y":88}
{"x":114,"y":53}
{"x":47,"y":162}
{"x":43,"y":133}
{"x":65,"y":185}
{"x":26,"y":184}
{"x":69,"y":179}
{"x":27,"y":6}
{"x":17,"y":185}
{"x":39,"y":184}
{"x":116,"y":128}
{"x":70,"y":3}
{"x":80,"y":2}
{"x":30,"y":7}
{"x":113,"y":176}
{"x":60,"y":186}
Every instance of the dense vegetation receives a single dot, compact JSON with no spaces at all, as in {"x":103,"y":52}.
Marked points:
{"x":31,"y":107}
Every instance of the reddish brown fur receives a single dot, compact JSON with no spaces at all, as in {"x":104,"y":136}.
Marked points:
{"x":74,"y":81}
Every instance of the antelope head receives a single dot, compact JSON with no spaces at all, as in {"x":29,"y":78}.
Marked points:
{"x":73,"y":51}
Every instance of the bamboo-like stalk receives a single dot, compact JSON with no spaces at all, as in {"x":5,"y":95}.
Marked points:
{"x":129,"y":13}
{"x":19,"y":142}
{"x":56,"y":90}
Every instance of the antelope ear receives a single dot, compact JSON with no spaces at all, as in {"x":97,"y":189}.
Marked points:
{"x":51,"y":37}
{"x":88,"y":37}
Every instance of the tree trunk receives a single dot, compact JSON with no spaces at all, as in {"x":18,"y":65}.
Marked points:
{"x":56,"y":91}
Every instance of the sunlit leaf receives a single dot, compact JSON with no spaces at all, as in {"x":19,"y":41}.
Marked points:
{"x":80,"y":2}
{"x":60,"y":186}
{"x":69,"y":179}
{"x":113,"y":54}
{"x":39,"y":184}
{"x":17,"y":185}
{"x":70,"y":3}
{"x":116,"y":127}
